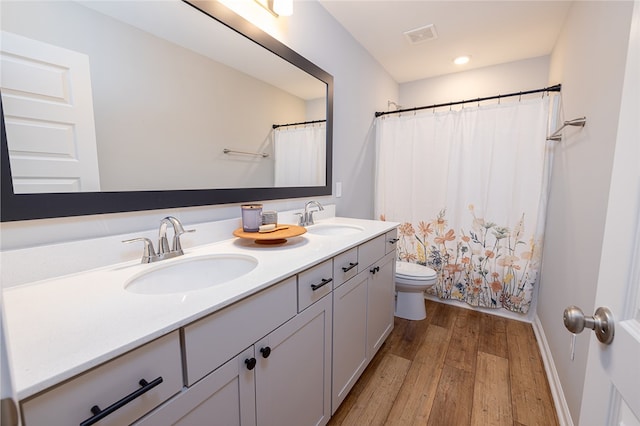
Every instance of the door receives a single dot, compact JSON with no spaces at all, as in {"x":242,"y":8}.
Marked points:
{"x":48,"y":108}
{"x":293,"y":373}
{"x":610,"y":395}
{"x":349,"y":335}
{"x":380,"y":303}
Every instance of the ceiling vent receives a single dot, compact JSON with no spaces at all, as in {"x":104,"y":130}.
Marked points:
{"x":419,"y":35}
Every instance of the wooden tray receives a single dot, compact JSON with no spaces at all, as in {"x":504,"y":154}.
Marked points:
{"x":277,"y":236}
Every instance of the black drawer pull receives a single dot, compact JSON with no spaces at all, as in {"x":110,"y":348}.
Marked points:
{"x":350,"y":267}
{"x":99,"y":414}
{"x":324,"y":282}
{"x":374,"y":269}
{"x":393,"y":240}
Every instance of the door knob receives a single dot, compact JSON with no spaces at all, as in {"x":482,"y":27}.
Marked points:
{"x":601,"y":322}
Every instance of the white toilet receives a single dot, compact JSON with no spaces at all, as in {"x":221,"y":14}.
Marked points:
{"x":411,"y":282}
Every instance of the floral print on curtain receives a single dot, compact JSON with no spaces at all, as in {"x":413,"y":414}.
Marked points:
{"x":487,"y":265}
{"x":469,"y":189}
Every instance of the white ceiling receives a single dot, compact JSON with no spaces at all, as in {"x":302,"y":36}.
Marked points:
{"x":491,"y":32}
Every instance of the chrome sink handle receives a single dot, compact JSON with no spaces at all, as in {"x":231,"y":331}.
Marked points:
{"x":306,"y":218}
{"x":149,"y":254}
{"x":163,"y":243}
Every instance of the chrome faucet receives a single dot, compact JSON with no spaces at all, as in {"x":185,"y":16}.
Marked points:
{"x":164,"y":252}
{"x":306,"y":217}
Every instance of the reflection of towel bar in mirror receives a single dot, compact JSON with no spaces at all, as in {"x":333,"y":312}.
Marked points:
{"x":556,"y":136}
{"x":233,"y":151}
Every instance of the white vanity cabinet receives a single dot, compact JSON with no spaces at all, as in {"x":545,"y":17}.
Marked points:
{"x":293,"y":383}
{"x":363,"y":314}
{"x":147,"y":376}
{"x":215,"y":339}
{"x":282,"y":378}
{"x":287,"y":354}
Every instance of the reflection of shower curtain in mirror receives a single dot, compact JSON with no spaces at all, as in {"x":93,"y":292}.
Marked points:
{"x":469,"y":188}
{"x":300,"y":155}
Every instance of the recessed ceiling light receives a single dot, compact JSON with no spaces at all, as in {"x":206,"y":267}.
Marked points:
{"x":461,"y":60}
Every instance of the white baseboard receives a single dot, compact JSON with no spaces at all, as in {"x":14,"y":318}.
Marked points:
{"x":562,"y":409}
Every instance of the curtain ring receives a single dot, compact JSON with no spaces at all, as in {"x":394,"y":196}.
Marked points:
{"x":499,"y":98}
{"x":520,"y":97}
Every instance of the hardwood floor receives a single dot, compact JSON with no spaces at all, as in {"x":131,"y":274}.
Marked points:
{"x":457,"y":367}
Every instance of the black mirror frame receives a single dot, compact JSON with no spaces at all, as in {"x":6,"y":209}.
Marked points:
{"x":15,"y":207}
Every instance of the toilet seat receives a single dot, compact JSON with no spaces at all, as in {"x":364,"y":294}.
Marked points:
{"x":414,"y":272}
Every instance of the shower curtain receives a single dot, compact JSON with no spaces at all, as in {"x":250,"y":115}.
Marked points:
{"x":300,"y":155}
{"x":469,"y":188}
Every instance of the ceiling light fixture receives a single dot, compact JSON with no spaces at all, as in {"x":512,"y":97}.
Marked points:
{"x":283,"y":7}
{"x":461,"y":60}
{"x":277,"y":7}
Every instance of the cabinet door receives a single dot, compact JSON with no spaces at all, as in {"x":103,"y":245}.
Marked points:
{"x":349,"y":335}
{"x":226,"y":397}
{"x":380,"y":303}
{"x":293,"y":379}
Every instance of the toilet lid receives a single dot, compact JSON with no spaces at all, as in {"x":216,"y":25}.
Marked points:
{"x":414,"y":271}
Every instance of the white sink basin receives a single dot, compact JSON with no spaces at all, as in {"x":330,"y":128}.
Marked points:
{"x":335,"y":229}
{"x":190,"y":274}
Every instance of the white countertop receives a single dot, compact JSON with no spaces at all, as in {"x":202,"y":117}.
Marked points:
{"x":58,"y":328}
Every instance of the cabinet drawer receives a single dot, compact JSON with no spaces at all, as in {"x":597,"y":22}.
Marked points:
{"x":371,"y":251}
{"x":391,"y":238}
{"x":71,"y":402}
{"x":345,"y":266}
{"x":212,"y":341}
{"x":314,"y":283}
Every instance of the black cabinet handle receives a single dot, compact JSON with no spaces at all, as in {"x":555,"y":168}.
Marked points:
{"x":99,"y":414}
{"x":322,"y":283}
{"x":251,"y":363}
{"x":266,"y":351}
{"x":350,"y":267}
{"x":393,"y":240}
{"x":374,"y":269}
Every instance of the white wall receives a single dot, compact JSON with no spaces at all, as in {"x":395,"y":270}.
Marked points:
{"x":589,"y":61}
{"x":512,"y":77}
{"x":361,"y":87}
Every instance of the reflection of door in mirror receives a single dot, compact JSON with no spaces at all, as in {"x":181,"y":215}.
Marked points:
{"x":46,"y":95}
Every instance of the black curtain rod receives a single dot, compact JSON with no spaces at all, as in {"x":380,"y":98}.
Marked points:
{"x":555,"y":88}
{"x":275,"y":126}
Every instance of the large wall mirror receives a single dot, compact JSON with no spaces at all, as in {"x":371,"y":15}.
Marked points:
{"x":123,"y":106}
